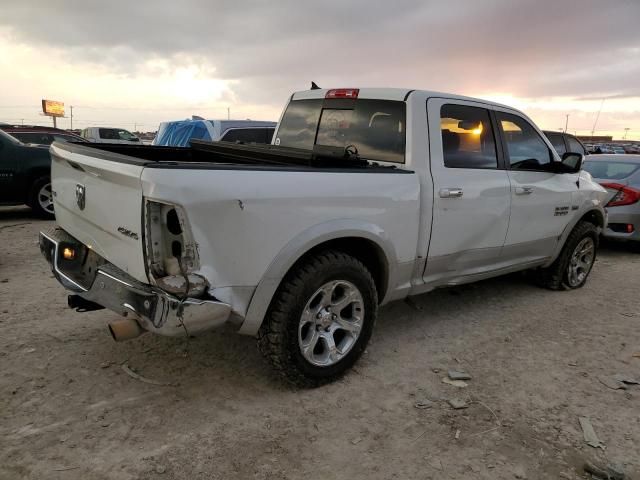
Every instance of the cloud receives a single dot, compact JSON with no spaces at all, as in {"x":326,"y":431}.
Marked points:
{"x":262,"y":51}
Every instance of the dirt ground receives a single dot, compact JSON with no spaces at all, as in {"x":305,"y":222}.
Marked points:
{"x":69,"y":410}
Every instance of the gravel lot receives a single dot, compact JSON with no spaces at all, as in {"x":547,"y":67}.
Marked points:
{"x":69,"y":410}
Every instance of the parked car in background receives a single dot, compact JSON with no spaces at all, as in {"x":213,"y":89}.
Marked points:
{"x":109,"y":135}
{"x":365,"y":196}
{"x":39,"y":135}
{"x":620,"y":176}
{"x":631,"y":149}
{"x":180,"y":132}
{"x":25,"y":175}
{"x":564,"y":142}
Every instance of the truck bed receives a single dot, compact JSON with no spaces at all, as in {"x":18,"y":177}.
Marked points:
{"x":203,"y":153}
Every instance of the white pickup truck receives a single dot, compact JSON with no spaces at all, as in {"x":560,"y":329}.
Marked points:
{"x":365,"y":196}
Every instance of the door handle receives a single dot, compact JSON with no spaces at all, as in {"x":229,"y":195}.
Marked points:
{"x":450,"y":192}
{"x":524,"y":190}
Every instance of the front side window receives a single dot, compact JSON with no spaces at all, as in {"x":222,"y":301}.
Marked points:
{"x":375,"y":129}
{"x":467,"y":137}
{"x":526,"y":149}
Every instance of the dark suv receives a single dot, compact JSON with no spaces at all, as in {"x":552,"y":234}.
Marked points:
{"x":37,"y":135}
{"x":563,"y":142}
{"x":25,"y":165}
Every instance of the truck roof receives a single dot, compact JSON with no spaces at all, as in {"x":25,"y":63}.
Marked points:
{"x":398,"y":94}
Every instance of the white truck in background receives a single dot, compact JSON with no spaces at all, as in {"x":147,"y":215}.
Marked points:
{"x":109,"y":135}
{"x":365,"y":196}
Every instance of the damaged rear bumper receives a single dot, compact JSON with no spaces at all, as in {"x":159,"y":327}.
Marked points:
{"x":109,"y":287}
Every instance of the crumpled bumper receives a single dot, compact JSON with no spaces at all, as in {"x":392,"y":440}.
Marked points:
{"x":110,"y":287}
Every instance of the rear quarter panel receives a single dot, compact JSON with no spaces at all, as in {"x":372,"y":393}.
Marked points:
{"x":243,"y":219}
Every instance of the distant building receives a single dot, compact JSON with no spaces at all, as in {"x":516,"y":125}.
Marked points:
{"x":595,"y":138}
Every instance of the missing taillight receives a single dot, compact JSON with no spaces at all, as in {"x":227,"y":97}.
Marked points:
{"x":176,"y":249}
{"x":170,"y":247}
{"x":173,"y":222}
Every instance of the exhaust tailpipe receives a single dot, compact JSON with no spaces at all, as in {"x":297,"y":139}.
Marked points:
{"x":125,"y":329}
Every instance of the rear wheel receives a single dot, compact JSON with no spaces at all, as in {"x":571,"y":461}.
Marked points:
{"x":573,"y":265}
{"x":320,"y":320}
{"x":41,"y":197}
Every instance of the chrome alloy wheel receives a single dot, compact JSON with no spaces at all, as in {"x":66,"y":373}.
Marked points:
{"x":330,"y":323}
{"x":45,"y":198}
{"x":581,"y":261}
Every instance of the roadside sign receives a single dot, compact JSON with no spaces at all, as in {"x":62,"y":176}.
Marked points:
{"x":53,"y":108}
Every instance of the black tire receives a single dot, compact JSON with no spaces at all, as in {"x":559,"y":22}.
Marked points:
{"x":556,"y":276}
{"x":278,"y":336}
{"x":33,"y":200}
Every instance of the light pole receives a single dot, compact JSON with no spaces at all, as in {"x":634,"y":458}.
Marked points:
{"x":566,"y":123}
{"x":626,"y":130}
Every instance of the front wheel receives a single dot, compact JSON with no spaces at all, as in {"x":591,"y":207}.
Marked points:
{"x":320,"y":319}
{"x":573,"y":265}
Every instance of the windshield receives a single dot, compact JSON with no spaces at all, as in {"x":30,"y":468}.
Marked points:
{"x":376,"y":128}
{"x":66,"y":138}
{"x":610,"y":170}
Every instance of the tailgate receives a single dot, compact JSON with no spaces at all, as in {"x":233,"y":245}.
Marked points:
{"x":97,"y":198}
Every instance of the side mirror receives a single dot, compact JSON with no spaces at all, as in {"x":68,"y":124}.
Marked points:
{"x":572,"y":162}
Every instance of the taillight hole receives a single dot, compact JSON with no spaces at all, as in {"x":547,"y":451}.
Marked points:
{"x":173,"y":222}
{"x":176,"y":249}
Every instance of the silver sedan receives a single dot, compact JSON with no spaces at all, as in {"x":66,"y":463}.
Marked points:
{"x":620,"y":175}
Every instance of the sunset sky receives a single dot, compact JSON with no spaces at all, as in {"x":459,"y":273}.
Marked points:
{"x":135,"y":64}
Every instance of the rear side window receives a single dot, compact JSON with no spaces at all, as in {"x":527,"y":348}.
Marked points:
{"x":526,"y":149}
{"x":467,"y":137}
{"x":248,"y":135}
{"x":610,"y":170}
{"x":376,"y":129}
{"x":36,"y":138}
{"x":557,"y":142}
{"x":574,"y":145}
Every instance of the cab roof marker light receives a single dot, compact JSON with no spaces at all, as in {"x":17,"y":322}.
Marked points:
{"x":342,"y":93}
